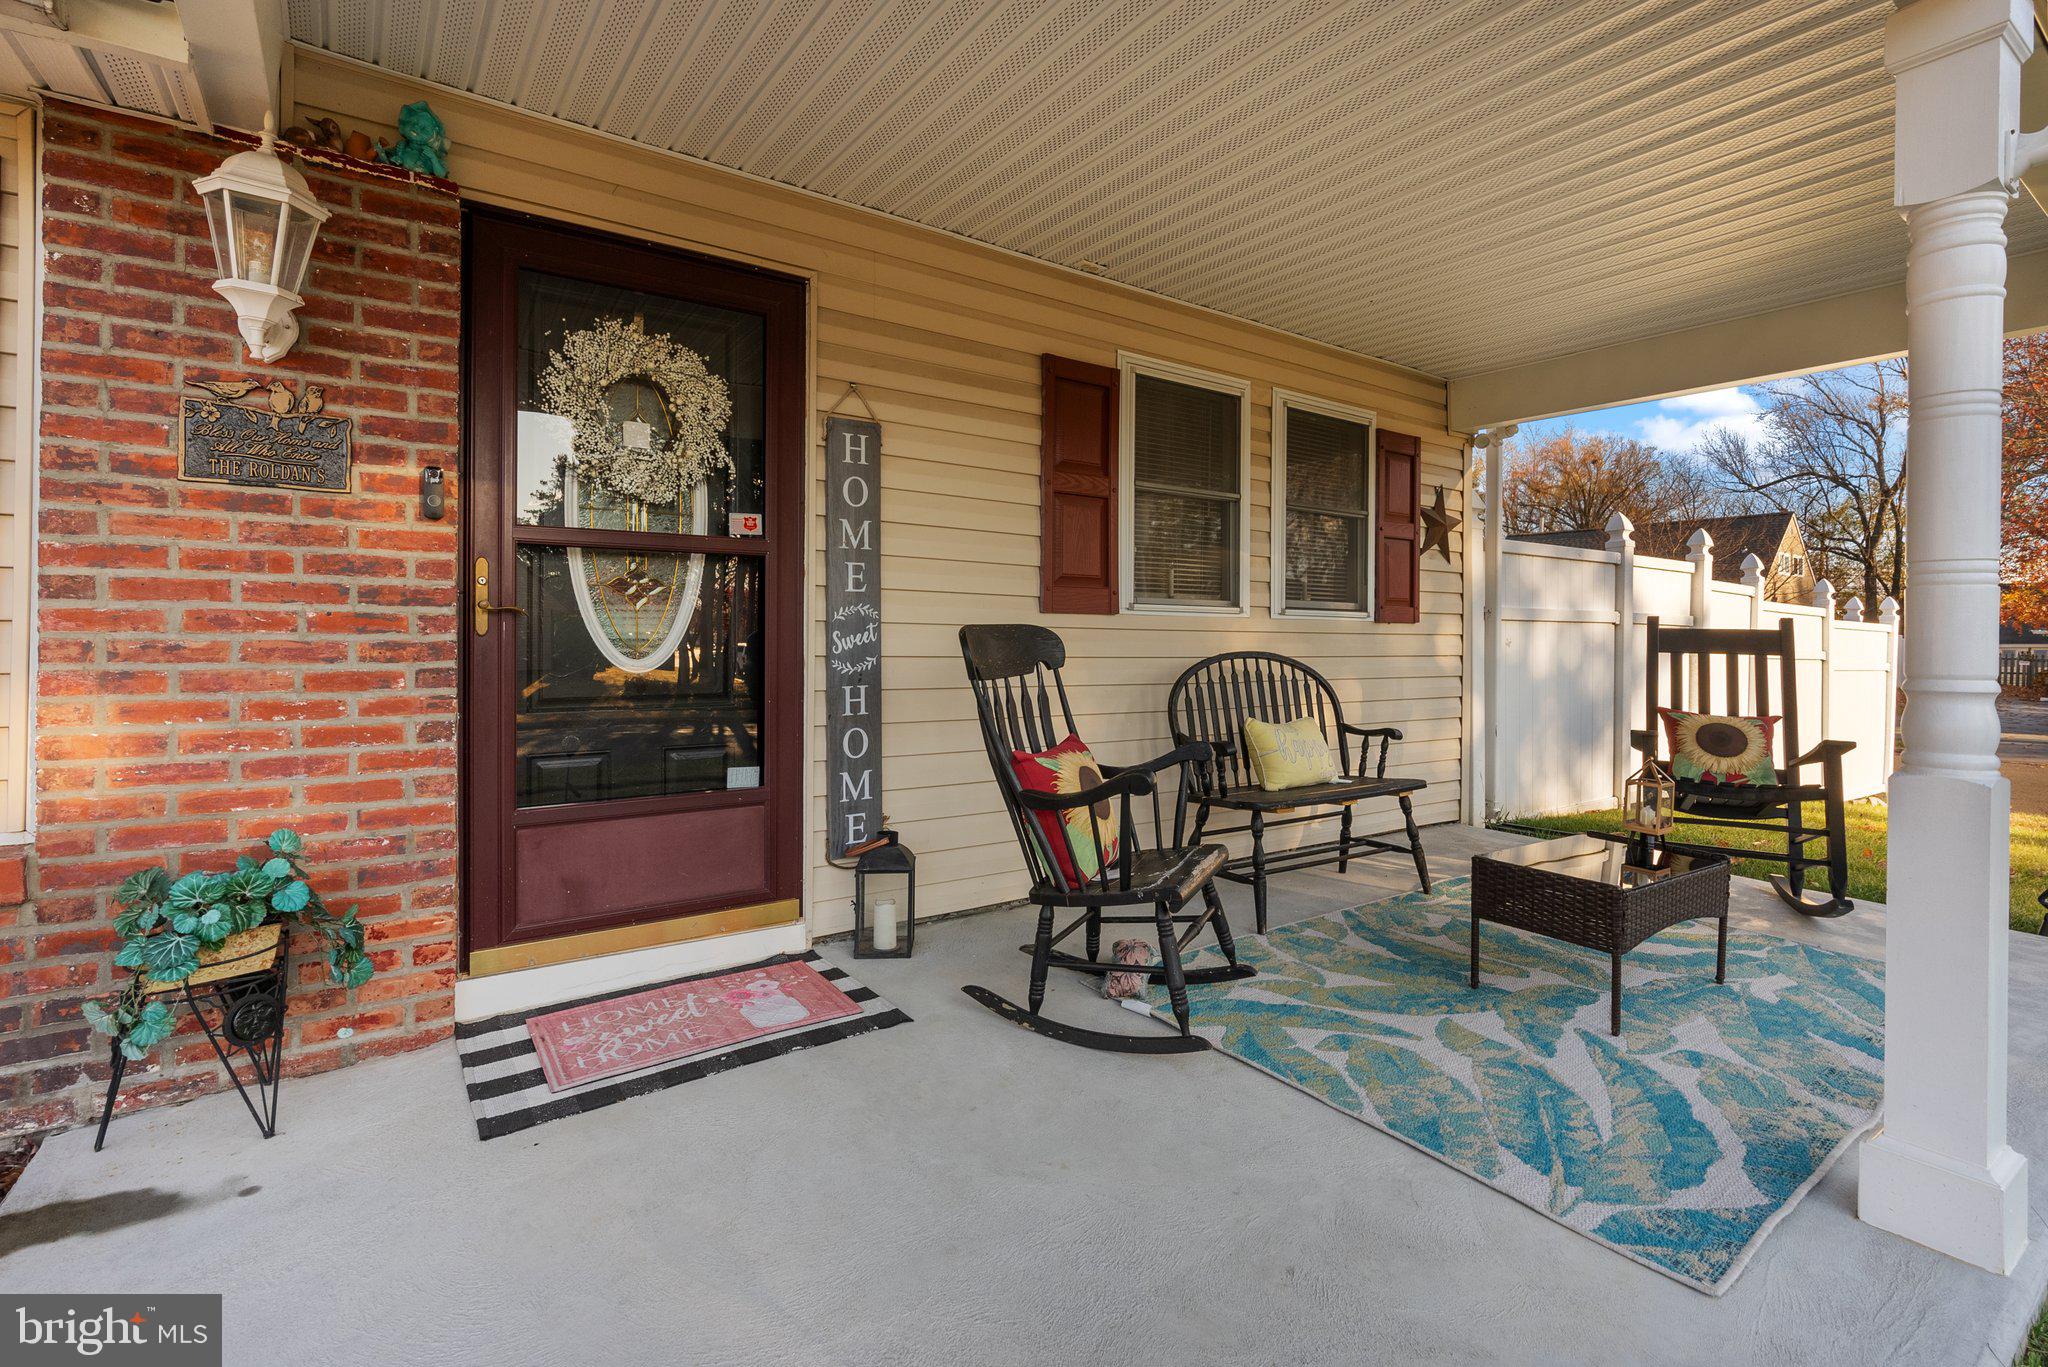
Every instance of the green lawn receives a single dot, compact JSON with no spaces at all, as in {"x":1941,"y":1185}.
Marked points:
{"x":1866,"y":852}
{"x":2035,"y":1354}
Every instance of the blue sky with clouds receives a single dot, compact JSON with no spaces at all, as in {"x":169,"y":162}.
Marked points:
{"x":1671,"y":425}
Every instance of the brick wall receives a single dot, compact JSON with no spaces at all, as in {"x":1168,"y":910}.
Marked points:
{"x":217,"y":661}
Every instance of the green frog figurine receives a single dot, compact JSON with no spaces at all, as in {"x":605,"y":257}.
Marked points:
{"x":422,"y":142}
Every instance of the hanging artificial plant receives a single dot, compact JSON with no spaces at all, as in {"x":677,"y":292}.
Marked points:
{"x":166,"y":926}
{"x":590,"y":363}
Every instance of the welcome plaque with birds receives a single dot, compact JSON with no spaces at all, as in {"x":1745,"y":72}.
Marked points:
{"x":264,"y":433}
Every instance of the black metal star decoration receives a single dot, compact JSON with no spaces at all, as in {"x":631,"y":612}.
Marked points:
{"x":1438,"y":523}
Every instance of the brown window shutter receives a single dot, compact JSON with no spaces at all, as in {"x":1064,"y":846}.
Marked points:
{"x":1398,"y":592}
{"x":1077,"y":530}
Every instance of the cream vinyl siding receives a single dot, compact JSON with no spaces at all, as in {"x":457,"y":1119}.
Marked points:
{"x":944,"y":337}
{"x":17,"y":408}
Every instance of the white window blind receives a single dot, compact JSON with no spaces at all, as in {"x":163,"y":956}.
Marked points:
{"x":1329,"y":511}
{"x":1187,"y":464}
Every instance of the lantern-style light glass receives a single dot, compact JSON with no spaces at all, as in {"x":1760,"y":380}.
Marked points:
{"x":263,"y":218}
{"x":1649,"y":804}
{"x":884,"y":900}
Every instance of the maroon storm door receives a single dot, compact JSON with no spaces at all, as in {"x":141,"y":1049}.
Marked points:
{"x":632,"y":590}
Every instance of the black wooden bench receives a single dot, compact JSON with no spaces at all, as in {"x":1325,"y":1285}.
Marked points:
{"x":1210,"y":702}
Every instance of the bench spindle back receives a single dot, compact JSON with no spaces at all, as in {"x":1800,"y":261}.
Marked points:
{"x":1213,"y":697}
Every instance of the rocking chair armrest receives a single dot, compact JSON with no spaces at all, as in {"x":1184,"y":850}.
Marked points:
{"x":1827,"y":752}
{"x":1371,"y":732}
{"x":1129,"y":783}
{"x":1194,"y":752}
{"x":1643,"y":742}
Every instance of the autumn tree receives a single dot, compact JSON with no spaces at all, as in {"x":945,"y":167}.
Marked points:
{"x":1574,"y":481}
{"x":2024,"y":548}
{"x":1833,"y":454}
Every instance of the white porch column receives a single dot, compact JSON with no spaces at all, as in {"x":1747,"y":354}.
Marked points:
{"x":1494,"y":441}
{"x":1621,"y":541}
{"x":1940,"y":1172}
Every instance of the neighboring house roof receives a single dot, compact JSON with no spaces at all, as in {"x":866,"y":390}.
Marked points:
{"x":1760,"y":534}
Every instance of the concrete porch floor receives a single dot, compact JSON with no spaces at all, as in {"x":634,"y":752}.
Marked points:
{"x":960,"y":1191}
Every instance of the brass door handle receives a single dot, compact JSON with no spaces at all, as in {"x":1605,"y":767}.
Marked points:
{"x":482,"y":598}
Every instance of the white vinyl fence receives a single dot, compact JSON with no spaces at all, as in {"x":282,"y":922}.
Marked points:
{"x":1568,"y":685}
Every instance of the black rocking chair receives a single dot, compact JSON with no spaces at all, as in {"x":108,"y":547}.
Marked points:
{"x":1015,"y":673}
{"x":1210,"y":702}
{"x":1683,"y":663}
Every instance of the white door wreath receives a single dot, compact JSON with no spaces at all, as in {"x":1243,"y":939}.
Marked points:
{"x":624,"y":471}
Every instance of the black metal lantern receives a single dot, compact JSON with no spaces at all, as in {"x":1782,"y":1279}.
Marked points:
{"x":884,"y":900}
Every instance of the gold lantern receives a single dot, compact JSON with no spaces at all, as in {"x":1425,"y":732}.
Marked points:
{"x":1649,"y":801}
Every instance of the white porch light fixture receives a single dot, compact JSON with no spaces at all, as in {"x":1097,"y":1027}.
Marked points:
{"x":263,"y":218}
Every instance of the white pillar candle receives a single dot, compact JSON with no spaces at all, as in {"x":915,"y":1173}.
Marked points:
{"x":885,"y":923}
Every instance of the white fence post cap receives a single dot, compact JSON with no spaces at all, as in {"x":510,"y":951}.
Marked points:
{"x":1620,"y":532}
{"x":1701,"y":542}
{"x":1888,"y":611}
{"x":1752,"y":569}
{"x":1852,"y":611}
{"x":1824,"y":596}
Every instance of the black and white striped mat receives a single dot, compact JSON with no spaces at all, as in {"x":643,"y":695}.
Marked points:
{"x":508,"y":1093}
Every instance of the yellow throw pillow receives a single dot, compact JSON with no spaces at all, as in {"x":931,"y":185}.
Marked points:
{"x":1290,"y":754}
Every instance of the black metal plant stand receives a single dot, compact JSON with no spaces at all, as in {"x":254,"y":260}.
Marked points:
{"x":247,"y":1023}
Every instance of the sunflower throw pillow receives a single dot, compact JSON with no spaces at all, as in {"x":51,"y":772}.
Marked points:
{"x":1288,"y":754}
{"x":1073,"y":838}
{"x":1715,"y":749}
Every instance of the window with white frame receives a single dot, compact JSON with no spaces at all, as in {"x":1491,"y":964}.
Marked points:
{"x":1322,"y":509}
{"x":1186,"y":468}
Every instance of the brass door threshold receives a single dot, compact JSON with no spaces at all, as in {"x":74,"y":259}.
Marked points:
{"x":592,"y":943}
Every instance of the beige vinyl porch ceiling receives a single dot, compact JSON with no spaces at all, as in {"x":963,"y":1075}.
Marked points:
{"x":1457,"y":187}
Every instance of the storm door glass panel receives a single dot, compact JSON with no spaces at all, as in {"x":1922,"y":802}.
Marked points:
{"x":639,"y":674}
{"x":641,"y":421}
{"x":1328,"y":511}
{"x":637,"y":412}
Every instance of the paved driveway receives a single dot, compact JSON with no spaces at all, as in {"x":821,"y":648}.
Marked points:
{"x":2023,"y":752}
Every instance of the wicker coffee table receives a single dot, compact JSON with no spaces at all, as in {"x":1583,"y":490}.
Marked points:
{"x":1586,"y":892}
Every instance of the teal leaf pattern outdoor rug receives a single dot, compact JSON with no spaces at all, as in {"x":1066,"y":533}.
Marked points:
{"x":1678,"y":1144}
